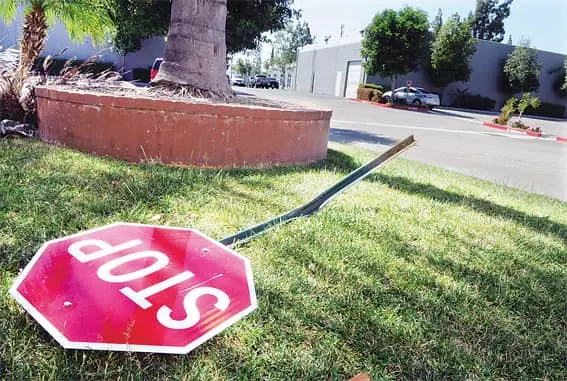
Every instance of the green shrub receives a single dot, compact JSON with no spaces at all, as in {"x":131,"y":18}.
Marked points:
{"x":141,"y":74}
{"x":547,"y":109}
{"x":57,"y":65}
{"x":506,"y":111}
{"x":527,"y":100}
{"x":558,"y":85}
{"x":473,"y":101}
{"x":372,"y":86}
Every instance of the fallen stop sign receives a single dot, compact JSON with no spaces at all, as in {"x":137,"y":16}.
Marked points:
{"x":132,"y":287}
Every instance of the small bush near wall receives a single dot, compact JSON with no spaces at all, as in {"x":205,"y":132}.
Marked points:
{"x":364,"y":94}
{"x":373,"y":86}
{"x":58,"y":64}
{"x":547,"y":109}
{"x":369,"y":94}
{"x":473,"y":101}
{"x":141,"y":74}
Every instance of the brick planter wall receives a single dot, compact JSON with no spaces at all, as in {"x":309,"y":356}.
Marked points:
{"x":180,"y":132}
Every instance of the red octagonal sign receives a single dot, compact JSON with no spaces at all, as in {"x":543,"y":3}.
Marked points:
{"x":133,"y":287}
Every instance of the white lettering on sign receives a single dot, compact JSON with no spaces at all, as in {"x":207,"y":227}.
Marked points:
{"x":140,"y":297}
{"x":161,"y":260}
{"x":76,"y":249}
{"x":105,"y":271}
{"x":190,"y":305}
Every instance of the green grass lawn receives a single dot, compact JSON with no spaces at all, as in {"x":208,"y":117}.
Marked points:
{"x":414,"y":273}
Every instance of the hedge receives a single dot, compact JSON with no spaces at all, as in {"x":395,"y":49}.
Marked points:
{"x":58,"y":64}
{"x":371,"y":86}
{"x":474,"y":101}
{"x":547,"y":109}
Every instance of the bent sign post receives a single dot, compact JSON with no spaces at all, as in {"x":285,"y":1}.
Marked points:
{"x":134,"y":287}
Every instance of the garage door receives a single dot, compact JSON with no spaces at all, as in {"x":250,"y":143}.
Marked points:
{"x":352,"y":78}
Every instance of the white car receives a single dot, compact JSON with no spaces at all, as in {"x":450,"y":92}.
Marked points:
{"x":238,"y":80}
{"x":415,"y":96}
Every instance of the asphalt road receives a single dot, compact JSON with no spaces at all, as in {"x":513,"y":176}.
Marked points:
{"x":450,"y":139}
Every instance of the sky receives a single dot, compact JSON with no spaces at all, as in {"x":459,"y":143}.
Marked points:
{"x":544,"y":22}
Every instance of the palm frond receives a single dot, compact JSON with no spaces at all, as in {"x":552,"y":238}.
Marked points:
{"x":82,"y":18}
{"x":8,"y":10}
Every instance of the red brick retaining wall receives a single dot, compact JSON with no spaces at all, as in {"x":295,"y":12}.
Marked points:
{"x":181,"y":132}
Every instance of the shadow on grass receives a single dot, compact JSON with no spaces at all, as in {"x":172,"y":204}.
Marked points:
{"x":465,"y":332}
{"x":431,"y":192}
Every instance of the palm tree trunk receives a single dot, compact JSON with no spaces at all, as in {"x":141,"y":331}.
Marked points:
{"x":195,"y":54}
{"x":34,"y":35}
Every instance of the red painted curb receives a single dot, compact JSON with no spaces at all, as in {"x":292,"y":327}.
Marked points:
{"x":387,"y":105}
{"x":527,"y":132}
{"x":494,"y":125}
{"x":562,"y":139}
{"x":506,"y":128}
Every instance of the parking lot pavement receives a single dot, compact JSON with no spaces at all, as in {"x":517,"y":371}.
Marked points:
{"x":450,"y":139}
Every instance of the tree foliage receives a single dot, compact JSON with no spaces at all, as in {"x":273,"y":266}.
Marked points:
{"x":286,"y":44}
{"x":451,"y":51}
{"x":488,"y":19}
{"x":522,"y":69}
{"x":437,"y":22}
{"x":246,"y":21}
{"x":527,"y":100}
{"x":244,"y":67}
{"x":395,"y":42}
{"x":564,"y":86}
{"x":136,"y":20}
{"x":81,"y":18}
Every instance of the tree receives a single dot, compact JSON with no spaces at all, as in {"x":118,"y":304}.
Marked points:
{"x":488,"y":19}
{"x":246,"y":21}
{"x":136,"y":20}
{"x":287,"y":43}
{"x":81,"y":18}
{"x":522,"y":69}
{"x":437,"y":22}
{"x":527,"y":101}
{"x":394,"y":42}
{"x":451,"y":51}
{"x":243,"y":67}
{"x":195,"y":53}
{"x":510,"y":40}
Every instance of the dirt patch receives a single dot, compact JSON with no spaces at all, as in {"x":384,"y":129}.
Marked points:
{"x":126,"y":89}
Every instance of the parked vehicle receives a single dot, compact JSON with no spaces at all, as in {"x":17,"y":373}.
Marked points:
{"x":415,"y":96}
{"x":273,"y":83}
{"x":155,"y":68}
{"x":238,"y":80}
{"x":261,"y":81}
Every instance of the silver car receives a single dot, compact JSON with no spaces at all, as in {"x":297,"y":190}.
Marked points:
{"x":415,"y":96}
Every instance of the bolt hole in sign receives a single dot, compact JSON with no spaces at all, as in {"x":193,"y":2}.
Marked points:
{"x":139,"y":288}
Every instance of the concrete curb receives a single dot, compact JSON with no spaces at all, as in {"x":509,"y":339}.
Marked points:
{"x":507,"y":128}
{"x":562,"y":139}
{"x":386,"y":105}
{"x":527,"y":132}
{"x":494,"y":125}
